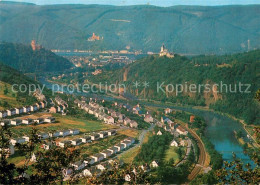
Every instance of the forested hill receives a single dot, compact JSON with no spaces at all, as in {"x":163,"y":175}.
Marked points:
{"x":228,"y":69}
{"x":183,"y":29}
{"x":24,"y":59}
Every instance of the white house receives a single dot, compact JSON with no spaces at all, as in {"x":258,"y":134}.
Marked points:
{"x":132,"y":140}
{"x":74,"y":131}
{"x":111,"y":132}
{"x":174,"y":143}
{"x":100,"y":167}
{"x":154,"y":164}
{"x":89,"y":172}
{"x":103,"y":134}
{"x":181,"y":130}
{"x":127,"y":121}
{"x":55,"y":134}
{"x":17,"y":140}
{"x":86,"y":139}
{"x":33,"y":158}
{"x":148,"y":118}
{"x":159,"y":133}
{"x":94,"y":137}
{"x":79,"y":165}
{"x":127,"y":178}
{"x":76,"y":142}
{"x":64,"y":133}
{"x":62,"y":144}
{"x":133,"y":124}
{"x":27,"y":138}
{"x":18,"y":111}
{"x":120,"y":147}
{"x":98,"y":157}
{"x":106,"y":153}
{"x":27,"y":121}
{"x":126,"y":143}
{"x":113,"y":149}
{"x":43,"y":136}
{"x":16,"y":122}
{"x":3,"y":114}
{"x":11,"y":112}
{"x":39,"y":120}
{"x":109,"y":120}
{"x":5,"y":122}
{"x":49,"y":120}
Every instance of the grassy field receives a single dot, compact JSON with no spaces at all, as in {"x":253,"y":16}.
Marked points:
{"x":62,"y":122}
{"x":9,"y":97}
{"x":171,"y":154}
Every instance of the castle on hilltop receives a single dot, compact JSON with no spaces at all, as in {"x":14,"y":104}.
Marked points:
{"x":94,"y":37}
{"x":164,"y":52}
{"x":35,"y":46}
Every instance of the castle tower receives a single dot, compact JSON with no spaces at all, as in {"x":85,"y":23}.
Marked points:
{"x":33,"y":45}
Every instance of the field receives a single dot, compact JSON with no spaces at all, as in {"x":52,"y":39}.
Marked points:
{"x":62,"y":122}
{"x":171,"y":154}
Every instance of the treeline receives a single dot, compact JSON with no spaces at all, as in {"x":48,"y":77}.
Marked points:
{"x":155,"y":148}
{"x":226,"y":71}
{"x":23,"y":58}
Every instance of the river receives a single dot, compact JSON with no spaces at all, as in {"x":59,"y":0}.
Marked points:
{"x":220,"y":129}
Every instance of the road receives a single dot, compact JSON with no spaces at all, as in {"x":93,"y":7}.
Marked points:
{"x":140,"y":138}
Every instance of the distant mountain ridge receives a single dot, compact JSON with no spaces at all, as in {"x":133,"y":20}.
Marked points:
{"x":183,"y":29}
{"x":24,"y":59}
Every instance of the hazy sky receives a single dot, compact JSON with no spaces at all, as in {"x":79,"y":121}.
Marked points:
{"x":152,"y":2}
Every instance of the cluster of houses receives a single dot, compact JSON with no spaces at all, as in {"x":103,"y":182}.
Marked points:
{"x":109,"y":117}
{"x":27,"y":121}
{"x":85,"y":166}
{"x":85,"y":139}
{"x":22,"y":110}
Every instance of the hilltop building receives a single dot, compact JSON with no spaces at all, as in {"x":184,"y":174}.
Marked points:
{"x":164,"y":52}
{"x":94,"y":37}
{"x":35,"y":46}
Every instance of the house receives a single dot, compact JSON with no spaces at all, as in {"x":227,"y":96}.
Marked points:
{"x":54,"y":109}
{"x":120,"y":147}
{"x":94,"y":137}
{"x":148,"y":118}
{"x":145,"y":167}
{"x":3,"y":114}
{"x":8,"y":151}
{"x":67,"y":171}
{"x":89,"y":160}
{"x":5,"y":122}
{"x":47,"y":146}
{"x":43,"y":104}
{"x":168,"y":111}
{"x":17,"y":140}
{"x":166,"y":127}
{"x":35,"y":107}
{"x":39,"y":120}
{"x":76,"y":142}
{"x":38,"y":105}
{"x":159,"y":133}
{"x":11,"y":112}
{"x":64,"y":133}
{"x":108,"y":165}
{"x":154,"y":164}
{"x":126,"y":143}
{"x":103,"y":134}
{"x":174,"y":143}
{"x":113,"y":149}
{"x":106,"y":153}
{"x":74,"y":131}
{"x":27,"y":139}
{"x":111,"y":132}
{"x":62,"y":144}
{"x":127,"y":178}
{"x":43,"y":136}
{"x":127,"y":121}
{"x":101,"y":167}
{"x":109,"y":120}
{"x":18,"y":111}
{"x":133,"y":124}
{"x":182,"y":142}
{"x":49,"y":120}
{"x":33,"y":158}
{"x":91,"y":110}
{"x":86,"y":139}
{"x":79,"y":165}
{"x":31,"y":108}
{"x":98,"y":157}
{"x":16,"y":122}
{"x":27,"y":121}
{"x":192,"y":118}
{"x":181,"y":130}
{"x":132,"y":140}
{"x":55,"y":134}
{"x":89,"y":172}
